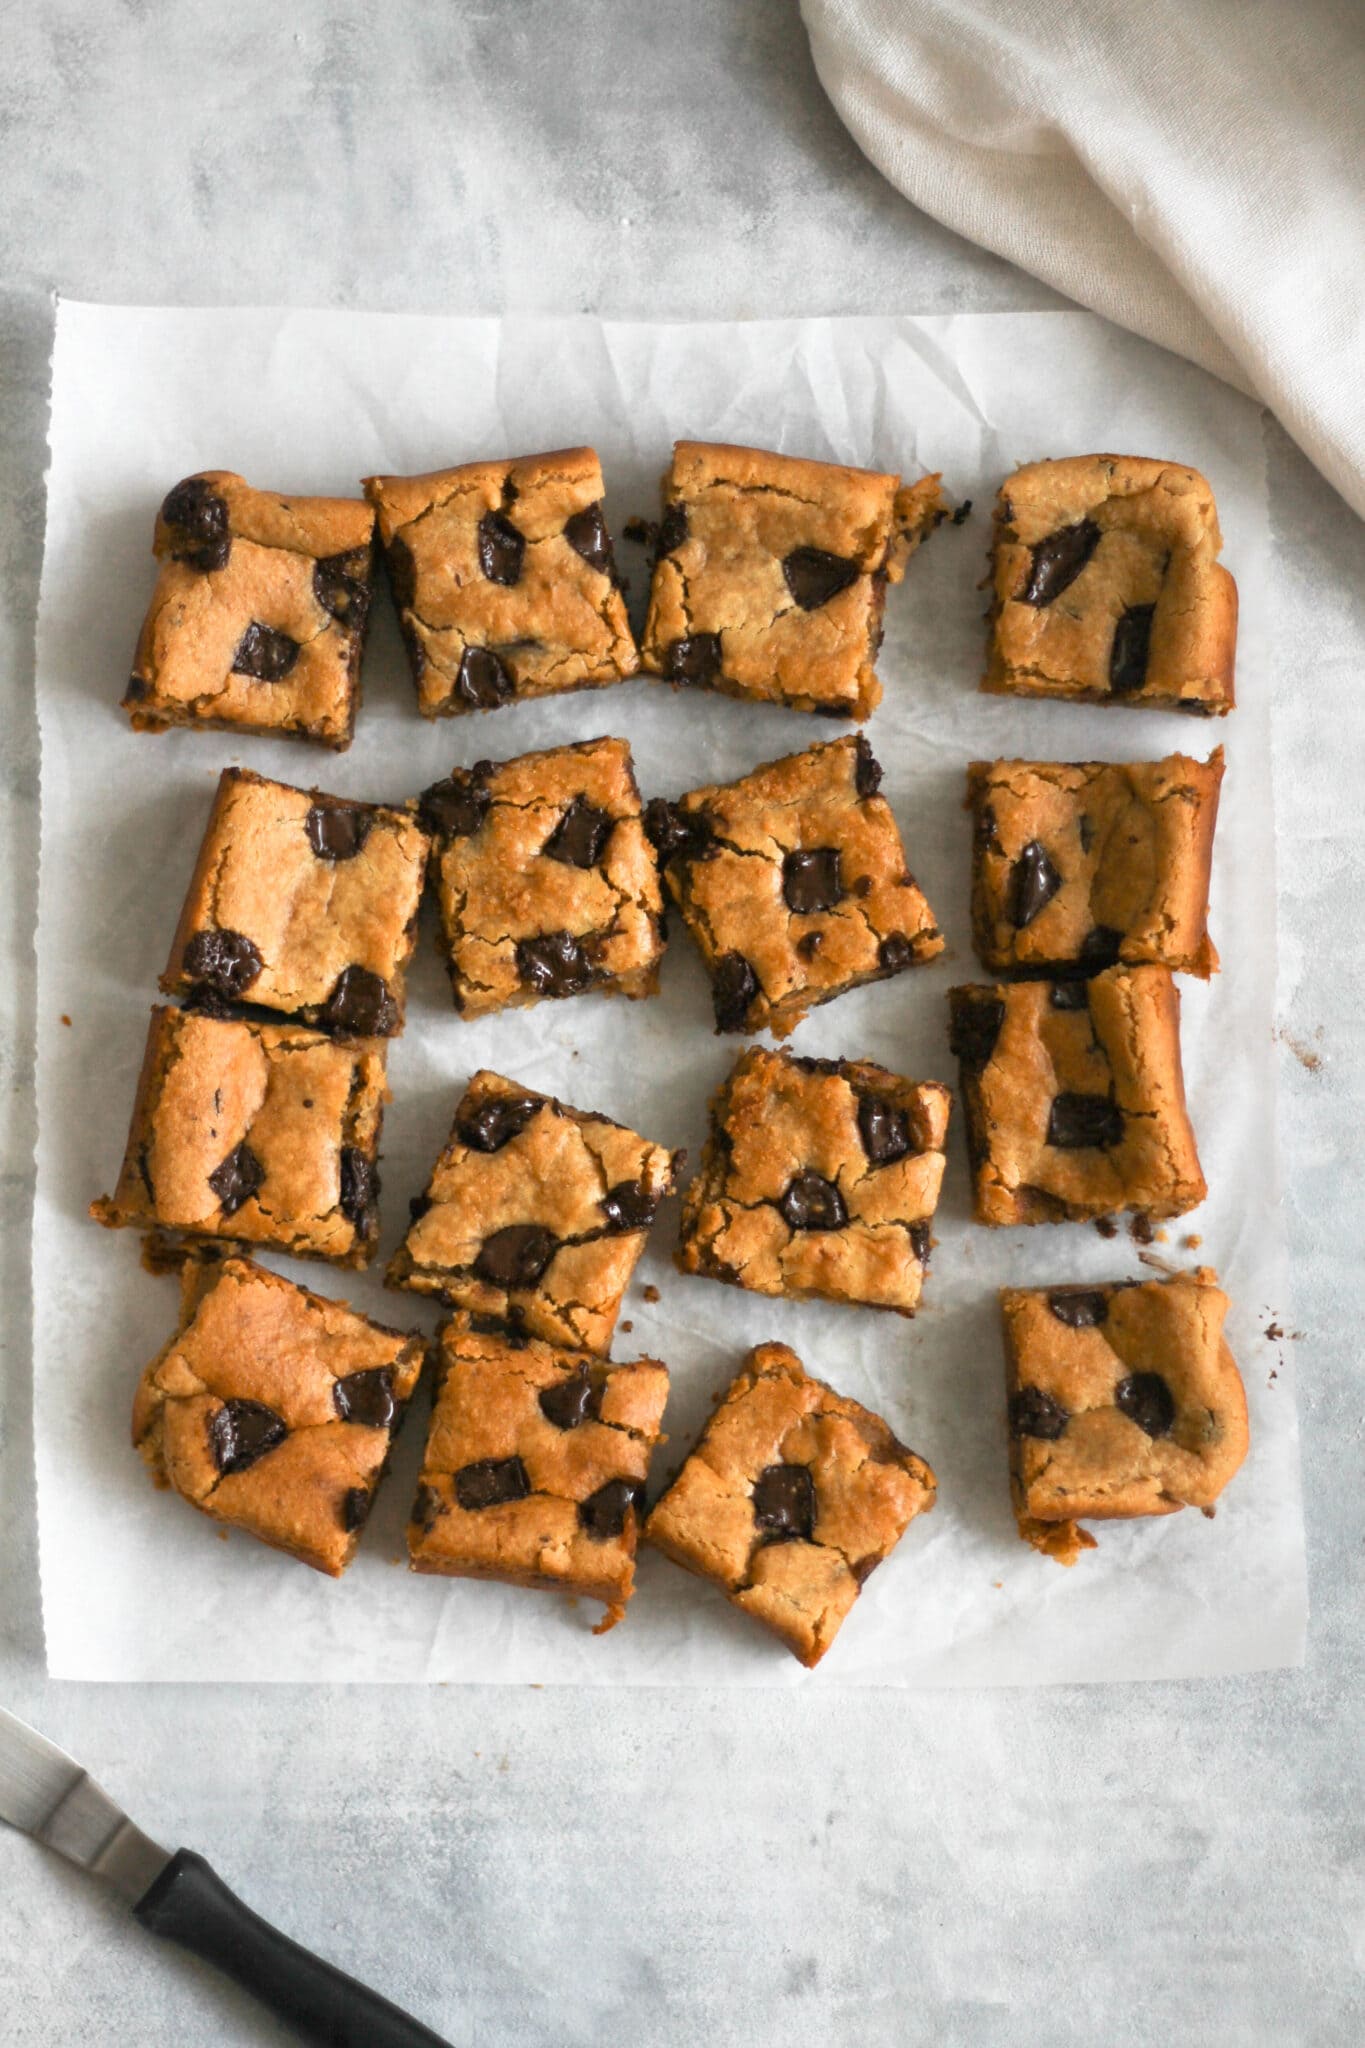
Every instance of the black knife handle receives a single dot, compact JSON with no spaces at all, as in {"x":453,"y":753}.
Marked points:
{"x":190,"y":1904}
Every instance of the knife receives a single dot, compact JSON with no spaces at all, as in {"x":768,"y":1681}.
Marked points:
{"x":46,"y":1794}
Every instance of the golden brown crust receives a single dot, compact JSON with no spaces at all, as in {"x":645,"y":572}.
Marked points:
{"x":819,"y":1178}
{"x":251,"y":1337}
{"x":864,"y":1487}
{"x":553,"y":619}
{"x":582,"y":1433}
{"x":1107,"y":586}
{"x":1079,"y":862}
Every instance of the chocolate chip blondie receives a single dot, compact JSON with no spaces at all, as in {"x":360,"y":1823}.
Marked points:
{"x":546,"y":881}
{"x":303,"y":903}
{"x":1108,"y":588}
{"x":1078,"y":865}
{"x":789,"y":1501}
{"x":504,"y":579}
{"x":261,"y":1133}
{"x":771,"y":571}
{"x":794,"y":885}
{"x":273,"y":1410}
{"x":258,"y":620}
{"x":820,"y":1177}
{"x":535,"y":1465}
{"x":1124,"y":1400}
{"x":535,"y":1214}
{"x":1075,"y":1099}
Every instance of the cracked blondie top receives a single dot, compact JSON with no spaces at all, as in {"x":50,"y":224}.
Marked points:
{"x":820,"y":1177}
{"x":535,"y":1214}
{"x":790,"y":1500}
{"x":535,"y":1465}
{"x":1078,"y":865}
{"x":1074,"y":1098}
{"x":1124,"y":1400}
{"x":771,"y":571}
{"x":546,"y":881}
{"x":258,"y":619}
{"x":262,"y":1133}
{"x":505,"y":580}
{"x":304,"y":903}
{"x":1108,"y":588}
{"x":794,"y":885}
{"x":273,"y":1410}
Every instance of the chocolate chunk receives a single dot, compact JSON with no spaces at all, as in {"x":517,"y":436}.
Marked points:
{"x":922,"y":1241}
{"x":1132,"y":645}
{"x":629,"y":1206}
{"x":1070,"y":995}
{"x":1034,"y":1413}
{"x":337,"y":831}
{"x":359,"y":1187}
{"x":603,"y":1514}
{"x":693,"y":660}
{"x":138,"y":688}
{"x":1032,"y":885}
{"x":813,"y":577}
{"x":402,"y":573}
{"x":975,"y":1027}
{"x":810,"y":880}
{"x":572,"y":1401}
{"x":734,"y":985}
{"x":1059,"y":560}
{"x":360,"y":1005}
{"x":199,"y":518}
{"x":427,"y":1507}
{"x":482,"y":681}
{"x":366,"y":1398}
{"x":240,"y":1432}
{"x":264,"y":654}
{"x":580,"y":838}
{"x":237,"y":1179}
{"x":355,"y":1508}
{"x":586,"y":533}
{"x":226,"y":962}
{"x":489,"y":1127}
{"x":455,"y":808}
{"x":1100,"y":948}
{"x":672,"y":530}
{"x":341,"y":586}
{"x":810,"y":1202}
{"x":554,"y":964}
{"x":673,"y":832}
{"x":884,"y":1129}
{"x":490,"y":1482}
{"x":501,"y":548}
{"x":809,"y":944}
{"x":784,"y":1503}
{"x":895,"y":953}
{"x":867,"y":769}
{"x":515,"y":1256}
{"x":1078,"y":1122}
{"x":1145,"y":1399}
{"x":1080,"y":1308}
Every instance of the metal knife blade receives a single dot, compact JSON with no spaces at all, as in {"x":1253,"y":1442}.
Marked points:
{"x":46,"y":1794}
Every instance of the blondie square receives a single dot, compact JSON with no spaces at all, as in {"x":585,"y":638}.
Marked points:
{"x":303,"y":903}
{"x":1124,"y":1400}
{"x":770,"y":575}
{"x":790,"y":1500}
{"x":1075,"y":1099}
{"x":535,"y":1465}
{"x":273,"y":1410}
{"x":793,"y":883}
{"x":258,"y":620}
{"x":504,"y":579}
{"x":1078,"y":865}
{"x":820,"y":1177}
{"x":1108,"y":588}
{"x":546,"y":881}
{"x":535,"y":1214}
{"x":261,"y":1133}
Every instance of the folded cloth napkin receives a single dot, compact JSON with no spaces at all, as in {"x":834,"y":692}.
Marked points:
{"x":1192,"y":169}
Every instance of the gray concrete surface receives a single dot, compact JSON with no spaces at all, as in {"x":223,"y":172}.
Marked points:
{"x":1170,"y":1865}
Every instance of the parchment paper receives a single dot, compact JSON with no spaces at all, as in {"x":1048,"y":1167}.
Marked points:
{"x":136,"y":1586}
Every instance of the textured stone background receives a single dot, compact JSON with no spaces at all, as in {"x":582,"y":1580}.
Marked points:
{"x":1172,"y":1864}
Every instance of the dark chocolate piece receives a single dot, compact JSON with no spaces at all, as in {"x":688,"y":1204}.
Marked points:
{"x":264,"y":654}
{"x":580,"y":838}
{"x":1132,"y":645}
{"x":1078,"y":1122}
{"x":227,"y":962}
{"x":1034,"y":1413}
{"x":1032,"y":885}
{"x":501,"y":548}
{"x":554,"y":964}
{"x":515,"y":1256}
{"x":628,"y":1206}
{"x":1059,"y":560}
{"x":366,"y":1398}
{"x":237,"y":1179}
{"x":693,"y":660}
{"x":811,"y":881}
{"x":490,"y":1482}
{"x":1145,"y":1399}
{"x":360,"y":1005}
{"x":337,"y":831}
{"x":784,"y":1503}
{"x":733,"y":987}
{"x":489,"y":1127}
{"x":240,"y":1432}
{"x":456,"y":807}
{"x":810,"y":1202}
{"x":813,"y":577}
{"x":1079,"y":1308}
{"x":884,"y":1129}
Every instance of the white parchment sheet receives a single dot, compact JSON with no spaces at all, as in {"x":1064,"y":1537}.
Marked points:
{"x":135,"y":1585}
